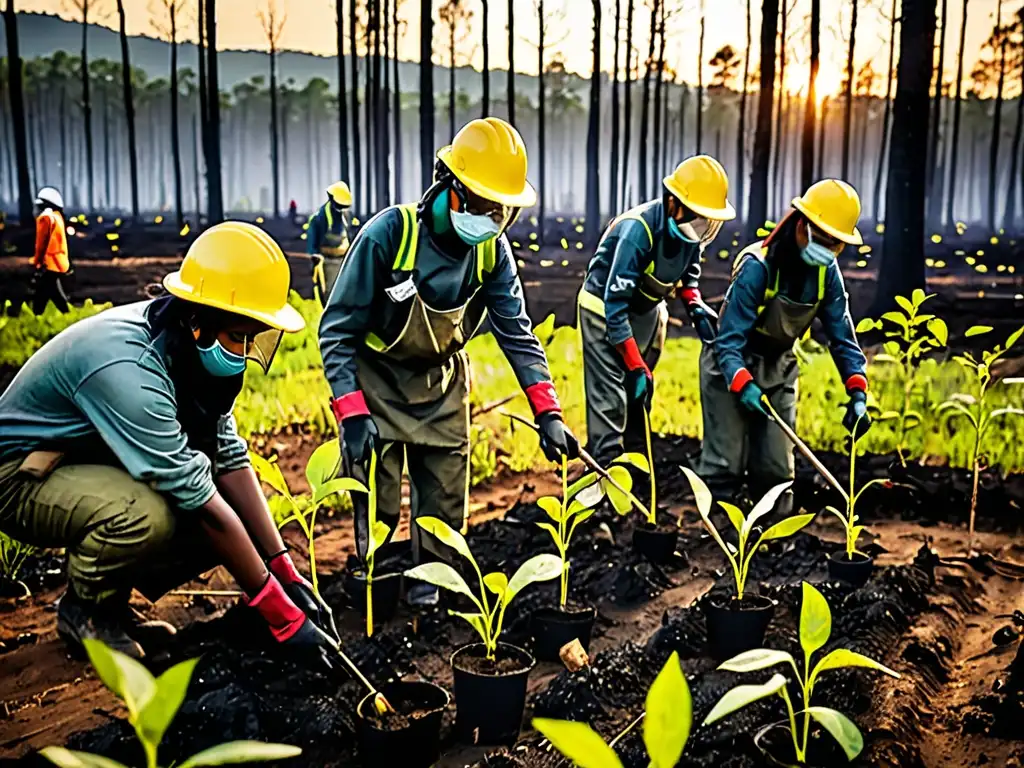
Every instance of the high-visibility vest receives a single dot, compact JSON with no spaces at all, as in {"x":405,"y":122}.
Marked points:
{"x":55,"y":255}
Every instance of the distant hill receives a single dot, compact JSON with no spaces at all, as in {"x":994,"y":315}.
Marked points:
{"x":43,"y":34}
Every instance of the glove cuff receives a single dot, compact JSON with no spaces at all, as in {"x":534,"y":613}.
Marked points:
{"x":858,"y":382}
{"x":690,"y":295}
{"x":283,"y":617}
{"x":282,"y":566}
{"x":631,"y":354}
{"x":543,"y":398}
{"x":352,"y":404}
{"x":740,"y":380}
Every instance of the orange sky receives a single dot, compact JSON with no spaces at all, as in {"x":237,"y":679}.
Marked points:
{"x":310,"y":27}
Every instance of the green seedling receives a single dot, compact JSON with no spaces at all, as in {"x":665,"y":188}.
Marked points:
{"x":911,"y":334}
{"x":815,"y":629}
{"x":742,"y":553}
{"x":321,"y":471}
{"x":378,"y":534}
{"x":668,"y":717}
{"x":578,"y":503}
{"x":152,"y":704}
{"x":13,"y":555}
{"x":976,"y":408}
{"x":851,"y":518}
{"x":490,"y":613}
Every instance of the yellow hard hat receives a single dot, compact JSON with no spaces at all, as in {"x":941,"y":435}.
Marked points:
{"x":702,"y":185}
{"x":340,"y":193}
{"x":489,"y":157}
{"x":832,"y":206}
{"x":238,"y":268}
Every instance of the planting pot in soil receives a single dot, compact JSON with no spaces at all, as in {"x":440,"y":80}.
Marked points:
{"x":855,"y":572}
{"x":411,"y":736}
{"x":735,"y":626}
{"x":490,"y":696}
{"x":552,"y":628}
{"x":776,"y":744}
{"x":387,"y":590}
{"x":656,"y":544}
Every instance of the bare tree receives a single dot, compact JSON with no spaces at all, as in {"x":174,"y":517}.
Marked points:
{"x":884,"y":142}
{"x":214,"y":190}
{"x":426,"y":92}
{"x":593,"y":202}
{"x":645,"y":99}
{"x":455,"y":16}
{"x":700,"y":81}
{"x":613,"y":169}
{"x":741,"y":134}
{"x":628,"y":102}
{"x":339,"y":11}
{"x":848,"y":112}
{"x":397,"y":96}
{"x":997,"y":119}
{"x":84,"y":8}
{"x":511,"y":62}
{"x":15,"y":85}
{"x":173,"y":9}
{"x":360,"y":195}
{"x":780,"y":118}
{"x":758,"y":211}
{"x":811,"y":105}
{"x":273,"y":19}
{"x":933,"y":142}
{"x":485,"y":100}
{"x":1010,"y":216}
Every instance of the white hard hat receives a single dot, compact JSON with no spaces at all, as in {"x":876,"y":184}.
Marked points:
{"x":51,"y":196}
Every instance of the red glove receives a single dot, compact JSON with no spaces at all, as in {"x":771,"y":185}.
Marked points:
{"x":283,"y":617}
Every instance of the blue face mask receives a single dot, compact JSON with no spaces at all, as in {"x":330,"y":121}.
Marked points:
{"x":220,"y":362}
{"x":474,"y":229}
{"x":677,"y":233}
{"x":817,"y":255}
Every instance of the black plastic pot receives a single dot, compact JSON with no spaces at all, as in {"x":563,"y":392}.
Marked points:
{"x":552,"y":628}
{"x":415,"y":744}
{"x":489,"y":707}
{"x":387,"y":589}
{"x":855,"y":572}
{"x":656,"y":544}
{"x":776,"y":744}
{"x":735,"y":626}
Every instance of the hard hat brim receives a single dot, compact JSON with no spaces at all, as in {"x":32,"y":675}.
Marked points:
{"x":525,"y":199}
{"x":285,"y":319}
{"x":728,"y":213}
{"x":850,"y":238}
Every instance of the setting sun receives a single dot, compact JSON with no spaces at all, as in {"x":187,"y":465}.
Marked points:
{"x":828,"y":84}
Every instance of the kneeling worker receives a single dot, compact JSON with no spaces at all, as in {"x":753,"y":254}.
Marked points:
{"x":646,"y":255}
{"x":117,"y":443}
{"x":415,"y":287}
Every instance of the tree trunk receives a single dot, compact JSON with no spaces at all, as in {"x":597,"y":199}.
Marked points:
{"x":359,"y":197}
{"x":613,"y":169}
{"x":339,"y":10}
{"x":593,"y":203}
{"x":884,"y":141}
{"x":204,"y":104}
{"x":275,"y":150}
{"x":215,"y":197}
{"x":811,"y":103}
{"x":997,"y":124}
{"x":511,"y":63}
{"x":451,"y":78}
{"x":741,"y":135}
{"x":485,"y":99}
{"x":758,"y":211}
{"x":902,"y":267}
{"x":15,"y":85}
{"x":129,"y":111}
{"x":628,"y":105}
{"x":819,"y":172}
{"x":700,"y":83}
{"x":195,"y":167}
{"x":426,"y":93}
{"x":179,"y":205}
{"x":86,"y":107}
{"x":62,"y":118}
{"x":540,"y":123}
{"x":370,"y":106}
{"x":107,"y":193}
{"x":384,"y":103}
{"x":850,"y":75}
{"x":645,"y":98}
{"x":933,"y":142}
{"x":397,"y":97}
{"x":1010,"y":216}
{"x":780,"y":119}
{"x":659,"y":140}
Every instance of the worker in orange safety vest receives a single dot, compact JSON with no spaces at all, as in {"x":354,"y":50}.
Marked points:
{"x":51,"y":255}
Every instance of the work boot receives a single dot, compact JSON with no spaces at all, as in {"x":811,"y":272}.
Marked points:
{"x":79,"y":620}
{"x":423,"y":595}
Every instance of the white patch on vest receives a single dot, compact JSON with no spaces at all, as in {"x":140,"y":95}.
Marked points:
{"x":621,"y":284}
{"x":402,"y":291}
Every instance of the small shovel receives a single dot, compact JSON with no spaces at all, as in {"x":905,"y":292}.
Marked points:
{"x":802,"y":447}
{"x":381,"y":704}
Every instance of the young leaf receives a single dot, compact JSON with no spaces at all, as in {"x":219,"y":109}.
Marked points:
{"x":937,"y":328}
{"x":241,"y":752}
{"x":584,"y":482}
{"x":552,"y":506}
{"x":841,"y":657}
{"x":582,"y":517}
{"x":338,"y":485}
{"x":68,"y":758}
{"x":669,"y":715}
{"x":837,"y":513}
{"x":620,"y":501}
{"x":891,"y":348}
{"x":537,"y":568}
{"x":123,"y":675}
{"x":918,"y":297}
{"x":554,"y":536}
{"x":815,"y":620}
{"x":324,"y":464}
{"x":496,"y":582}
{"x":742,"y":695}
{"x":1014,"y":337}
{"x":157,"y":715}
{"x":764,"y":506}
{"x":475,"y":620}
{"x":905,"y":304}
{"x":440,"y":575}
{"x":701,"y":493}
{"x":786,"y":528}
{"x":977,"y":330}
{"x":866,"y":324}
{"x":757,"y":659}
{"x":842,"y":729}
{"x":638,"y":460}
{"x":578,"y":742}
{"x":545,"y":329}
{"x":269,"y":472}
{"x":446,"y":535}
{"x":590,"y":496}
{"x":735,"y":515}
{"x":895,"y":317}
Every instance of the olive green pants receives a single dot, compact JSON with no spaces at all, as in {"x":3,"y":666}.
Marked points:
{"x":118,"y":532}
{"x":604,"y":379}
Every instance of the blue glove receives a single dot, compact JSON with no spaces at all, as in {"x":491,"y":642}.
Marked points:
{"x":640,"y":387}
{"x":704,"y":319}
{"x":856,"y":409}
{"x":750,"y":398}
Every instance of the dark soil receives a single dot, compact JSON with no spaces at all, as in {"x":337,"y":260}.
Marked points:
{"x":406,"y":712}
{"x":500,"y":666}
{"x":822,"y":750}
{"x":731,"y":603}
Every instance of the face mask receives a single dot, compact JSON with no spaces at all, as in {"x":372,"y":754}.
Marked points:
{"x":817,"y":255}
{"x":220,"y":362}
{"x":474,"y":229}
{"x":683,"y":233}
